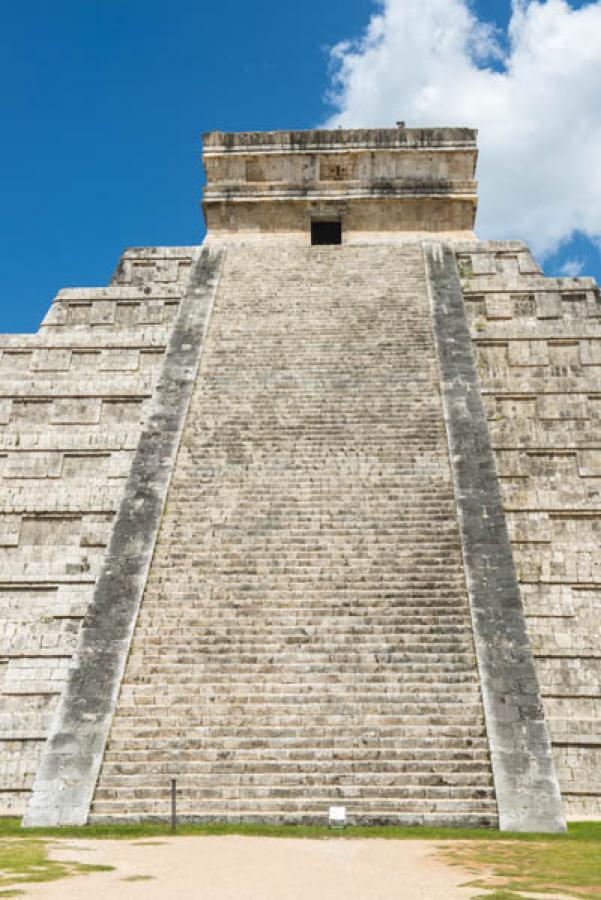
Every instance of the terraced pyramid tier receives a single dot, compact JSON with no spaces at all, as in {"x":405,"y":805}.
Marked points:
{"x":305,"y":638}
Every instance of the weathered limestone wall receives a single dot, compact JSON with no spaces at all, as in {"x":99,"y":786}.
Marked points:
{"x":538,"y":344}
{"x":376,"y":180}
{"x":341,"y":164}
{"x":73,"y":398}
{"x":371,"y":221}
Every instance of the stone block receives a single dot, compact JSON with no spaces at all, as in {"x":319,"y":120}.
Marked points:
{"x":548,"y":305}
{"x":76,"y":410}
{"x":528,"y":353}
{"x":48,"y":359}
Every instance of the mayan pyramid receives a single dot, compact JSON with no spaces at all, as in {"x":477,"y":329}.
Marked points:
{"x":310,"y":514}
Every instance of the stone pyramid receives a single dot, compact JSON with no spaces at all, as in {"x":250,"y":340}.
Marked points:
{"x":308,"y":515}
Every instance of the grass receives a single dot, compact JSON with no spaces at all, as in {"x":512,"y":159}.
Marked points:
{"x":578,"y":831}
{"x":25,"y":860}
{"x":570,"y":866}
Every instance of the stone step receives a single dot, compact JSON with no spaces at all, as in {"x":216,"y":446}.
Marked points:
{"x":425,"y":748}
{"x":273,"y":696}
{"x":281,"y":724}
{"x":339,"y":661}
{"x":187,"y":763}
{"x":297,"y":673}
{"x":379,"y":685}
{"x":254,"y":622}
{"x":285,"y":707}
{"x":114,"y":813}
{"x":428,"y":753}
{"x":289,"y":774}
{"x":347,"y":646}
{"x":422,"y":602}
{"x":317,"y":735}
{"x":267,"y":808}
{"x":282,"y":619}
{"x":182,"y":734}
{"x":256,"y":793}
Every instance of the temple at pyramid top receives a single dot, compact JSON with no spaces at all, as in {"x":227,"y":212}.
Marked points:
{"x":342,"y":185}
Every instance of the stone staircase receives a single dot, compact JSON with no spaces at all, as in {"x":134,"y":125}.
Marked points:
{"x":305,"y":637}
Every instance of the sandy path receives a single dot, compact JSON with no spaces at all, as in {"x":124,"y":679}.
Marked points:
{"x":244,"y":868}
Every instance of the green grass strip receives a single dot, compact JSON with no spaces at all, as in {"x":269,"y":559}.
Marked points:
{"x":577,"y":831}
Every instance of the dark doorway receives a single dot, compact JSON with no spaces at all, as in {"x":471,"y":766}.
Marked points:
{"x":326,"y":232}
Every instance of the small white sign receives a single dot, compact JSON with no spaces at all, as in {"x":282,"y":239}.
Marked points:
{"x":337,"y":816}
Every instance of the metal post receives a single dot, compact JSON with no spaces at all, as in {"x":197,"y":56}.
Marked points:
{"x":173,"y":804}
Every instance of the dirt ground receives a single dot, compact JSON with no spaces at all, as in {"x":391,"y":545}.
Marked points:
{"x":248,"y":868}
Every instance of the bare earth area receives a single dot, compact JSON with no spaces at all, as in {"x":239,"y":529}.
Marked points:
{"x":246,"y":868}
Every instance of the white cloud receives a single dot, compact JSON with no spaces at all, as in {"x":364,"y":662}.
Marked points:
{"x":537,"y":105}
{"x":572,"y":267}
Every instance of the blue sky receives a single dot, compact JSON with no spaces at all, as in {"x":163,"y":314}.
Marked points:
{"x":103,"y":104}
